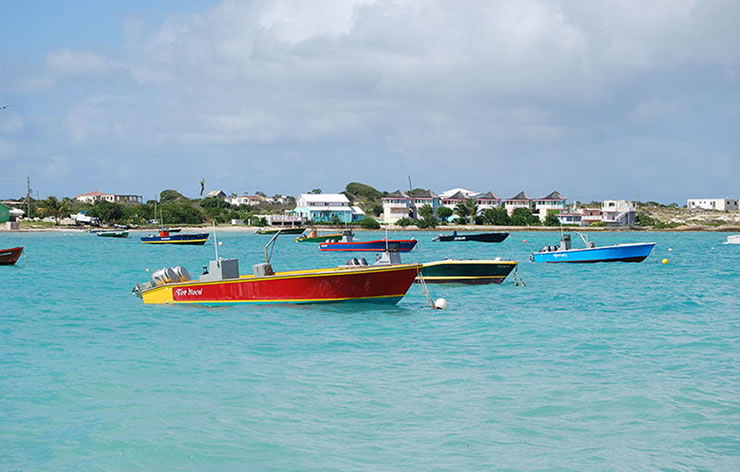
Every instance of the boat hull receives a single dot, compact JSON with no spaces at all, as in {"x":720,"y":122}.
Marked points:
{"x":181,"y":239}
{"x":320,"y":239}
{"x":476,"y":272}
{"x":393,"y":245}
{"x":10,"y":256}
{"x":481,"y":237}
{"x":113,"y":234}
{"x":385,"y":285}
{"x":618,"y":253}
{"x":282,"y":230}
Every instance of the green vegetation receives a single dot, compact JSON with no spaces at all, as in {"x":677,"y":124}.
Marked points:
{"x":467,"y":210}
{"x":552,"y":218}
{"x":54,"y":207}
{"x":404,"y":222}
{"x":366,"y":197}
{"x":496,"y":216}
{"x":444,"y":212}
{"x":369,"y":223}
{"x":643,"y":219}
{"x":523,"y":217}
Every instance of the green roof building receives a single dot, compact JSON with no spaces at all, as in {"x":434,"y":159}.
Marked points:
{"x":4,"y":213}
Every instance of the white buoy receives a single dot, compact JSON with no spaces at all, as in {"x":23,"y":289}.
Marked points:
{"x":147,"y":270}
{"x":440,"y":304}
{"x":220,"y":243}
{"x":670,"y":249}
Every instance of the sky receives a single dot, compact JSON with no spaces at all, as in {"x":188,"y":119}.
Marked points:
{"x":610,"y":99}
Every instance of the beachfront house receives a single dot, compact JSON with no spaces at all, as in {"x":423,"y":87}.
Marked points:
{"x":326,"y":208}
{"x":580,"y":216}
{"x":618,"y":213}
{"x":486,"y":201}
{"x":520,"y":200}
{"x":216,"y":194}
{"x":398,"y":204}
{"x":94,"y":196}
{"x":551,"y":202}
{"x":721,"y":204}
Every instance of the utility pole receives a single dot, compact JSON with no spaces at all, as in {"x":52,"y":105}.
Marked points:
{"x":28,"y":197}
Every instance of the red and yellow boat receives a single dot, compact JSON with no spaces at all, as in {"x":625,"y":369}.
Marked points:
{"x":10,"y":256}
{"x":385,"y":284}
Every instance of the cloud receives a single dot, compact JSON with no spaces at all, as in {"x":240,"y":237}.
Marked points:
{"x":72,"y":63}
{"x":499,"y":84}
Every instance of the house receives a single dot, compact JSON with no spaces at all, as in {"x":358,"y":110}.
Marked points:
{"x":4,"y":213}
{"x":324,"y":207}
{"x":453,"y":200}
{"x":486,"y":201}
{"x":248,"y":200}
{"x":520,"y":200}
{"x":216,"y":194}
{"x":580,"y":216}
{"x":618,"y":213}
{"x":722,"y":204}
{"x":399,"y":204}
{"x":465,"y":192}
{"x":551,"y":202}
{"x":94,"y":196}
{"x":483,"y":200}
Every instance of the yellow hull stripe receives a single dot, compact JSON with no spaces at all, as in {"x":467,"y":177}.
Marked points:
{"x":279,"y":300}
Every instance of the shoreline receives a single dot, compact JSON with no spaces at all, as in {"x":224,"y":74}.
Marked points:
{"x":392,"y":228}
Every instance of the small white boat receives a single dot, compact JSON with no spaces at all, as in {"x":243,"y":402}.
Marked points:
{"x":733,"y":239}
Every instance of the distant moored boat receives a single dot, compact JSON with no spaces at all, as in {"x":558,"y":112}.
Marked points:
{"x":10,"y":256}
{"x":635,"y":252}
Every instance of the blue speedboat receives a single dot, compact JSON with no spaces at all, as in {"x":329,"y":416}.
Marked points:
{"x":635,"y":252}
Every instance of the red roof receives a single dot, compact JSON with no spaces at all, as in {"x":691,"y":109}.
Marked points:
{"x":94,"y":193}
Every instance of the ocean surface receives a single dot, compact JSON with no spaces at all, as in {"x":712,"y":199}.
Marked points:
{"x":608,"y":367}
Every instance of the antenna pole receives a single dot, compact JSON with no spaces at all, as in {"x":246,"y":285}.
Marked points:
{"x":215,"y":243}
{"x":28,"y":197}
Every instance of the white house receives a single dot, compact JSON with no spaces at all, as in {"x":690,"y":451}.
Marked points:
{"x":520,"y":200}
{"x":247,"y":200}
{"x":449,"y":193}
{"x":94,"y":196}
{"x":399,"y":205}
{"x":552,"y":201}
{"x":722,"y":204}
{"x":618,"y":212}
{"x":323,"y":207}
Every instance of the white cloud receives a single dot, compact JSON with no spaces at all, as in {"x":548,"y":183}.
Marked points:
{"x":419,"y":79}
{"x":72,"y":63}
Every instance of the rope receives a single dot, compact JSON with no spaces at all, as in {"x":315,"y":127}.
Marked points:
{"x":518,"y":280}
{"x":425,"y":289}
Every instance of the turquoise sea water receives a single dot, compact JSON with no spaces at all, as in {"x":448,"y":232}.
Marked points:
{"x":589,"y":367}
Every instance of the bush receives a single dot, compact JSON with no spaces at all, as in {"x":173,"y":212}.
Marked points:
{"x":552,"y":218}
{"x":369,"y":223}
{"x":496,"y":216}
{"x":444,"y":212}
{"x":405,"y":222}
{"x":523,"y":217}
{"x":643,"y":219}
{"x":427,"y":222}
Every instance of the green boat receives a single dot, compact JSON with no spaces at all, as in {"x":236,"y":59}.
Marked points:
{"x":112,"y":234}
{"x":469,"y":271}
{"x":312,"y":237}
{"x":288,"y":230}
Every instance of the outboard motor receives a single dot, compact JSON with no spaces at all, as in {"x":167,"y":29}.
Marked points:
{"x":163,"y":276}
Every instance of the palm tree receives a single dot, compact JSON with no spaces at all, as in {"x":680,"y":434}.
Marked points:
{"x":54,"y":207}
{"x":467,"y":209}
